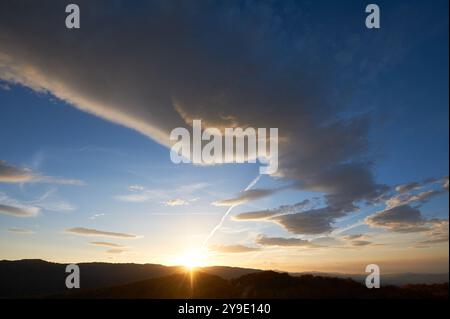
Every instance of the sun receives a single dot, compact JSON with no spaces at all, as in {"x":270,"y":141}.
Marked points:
{"x":192,"y":259}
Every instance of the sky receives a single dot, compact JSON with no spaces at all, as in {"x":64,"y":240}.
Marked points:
{"x":362,"y":116}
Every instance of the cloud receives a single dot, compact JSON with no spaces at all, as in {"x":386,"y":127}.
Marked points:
{"x":22,"y":231}
{"x":116,"y":251}
{"x":231,"y":249}
{"x":284,"y":209}
{"x":141,"y":194}
{"x":284,"y":242}
{"x":16,"y":211}
{"x":246,"y":196}
{"x":361,"y":242}
{"x":105,"y":244}
{"x":420,"y":192}
{"x":230,"y":62}
{"x":407,"y":187}
{"x":160,"y":78}
{"x":315,"y":221}
{"x":358,"y":240}
{"x":299,"y":218}
{"x":354,"y":237}
{"x":13,"y":174}
{"x":437,"y":234}
{"x":404,"y":219}
{"x":176,"y":202}
{"x":94,"y":232}
{"x":95,"y":216}
{"x":257,"y":215}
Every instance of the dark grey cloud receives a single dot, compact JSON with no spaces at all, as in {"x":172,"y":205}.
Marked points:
{"x":284,"y":242}
{"x":155,"y":66}
{"x":404,"y":219}
{"x":311,"y":222}
{"x":299,"y":218}
{"x":160,"y":64}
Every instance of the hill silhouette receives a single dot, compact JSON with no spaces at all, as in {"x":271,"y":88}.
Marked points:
{"x":261,"y":285}
{"x":38,"y":278}
{"x":35,"y":277}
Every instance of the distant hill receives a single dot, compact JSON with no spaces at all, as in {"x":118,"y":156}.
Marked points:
{"x":260,"y":285}
{"x":389,"y":279}
{"x":38,"y":278}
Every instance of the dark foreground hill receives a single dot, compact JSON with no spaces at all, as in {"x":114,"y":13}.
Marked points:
{"x":34,"y":277}
{"x":266,"y":284}
{"x":38,"y":278}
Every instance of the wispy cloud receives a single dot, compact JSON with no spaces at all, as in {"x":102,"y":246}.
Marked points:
{"x":12,"y":207}
{"x":232,"y":249}
{"x":180,"y":201}
{"x":177,"y":196}
{"x":106,"y":244}
{"x":116,"y":251}
{"x":94,"y":232}
{"x":21,"y":231}
{"x":246,"y":196}
{"x":284,"y":242}
{"x":403,"y":219}
{"x":95,"y":216}
{"x":13,"y":174}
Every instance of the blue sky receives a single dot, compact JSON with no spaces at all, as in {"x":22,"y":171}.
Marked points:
{"x":87,"y":117}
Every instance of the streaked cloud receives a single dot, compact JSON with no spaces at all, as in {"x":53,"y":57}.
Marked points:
{"x":13,"y":174}
{"x":106,"y":244}
{"x":175,"y":196}
{"x":246,"y":196}
{"x":404,"y":219}
{"x":231,"y":249}
{"x":95,"y":216}
{"x":176,"y":202}
{"x":417,"y":192}
{"x":284,"y":209}
{"x":94,"y":232}
{"x":257,"y":215}
{"x":22,"y":211}
{"x":116,"y":251}
{"x":284,"y":242}
{"x":22,"y":231}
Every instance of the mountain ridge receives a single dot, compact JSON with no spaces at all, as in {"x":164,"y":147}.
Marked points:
{"x":39,"y":278}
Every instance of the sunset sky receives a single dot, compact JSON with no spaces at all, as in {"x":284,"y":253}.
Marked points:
{"x":85,"y":118}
